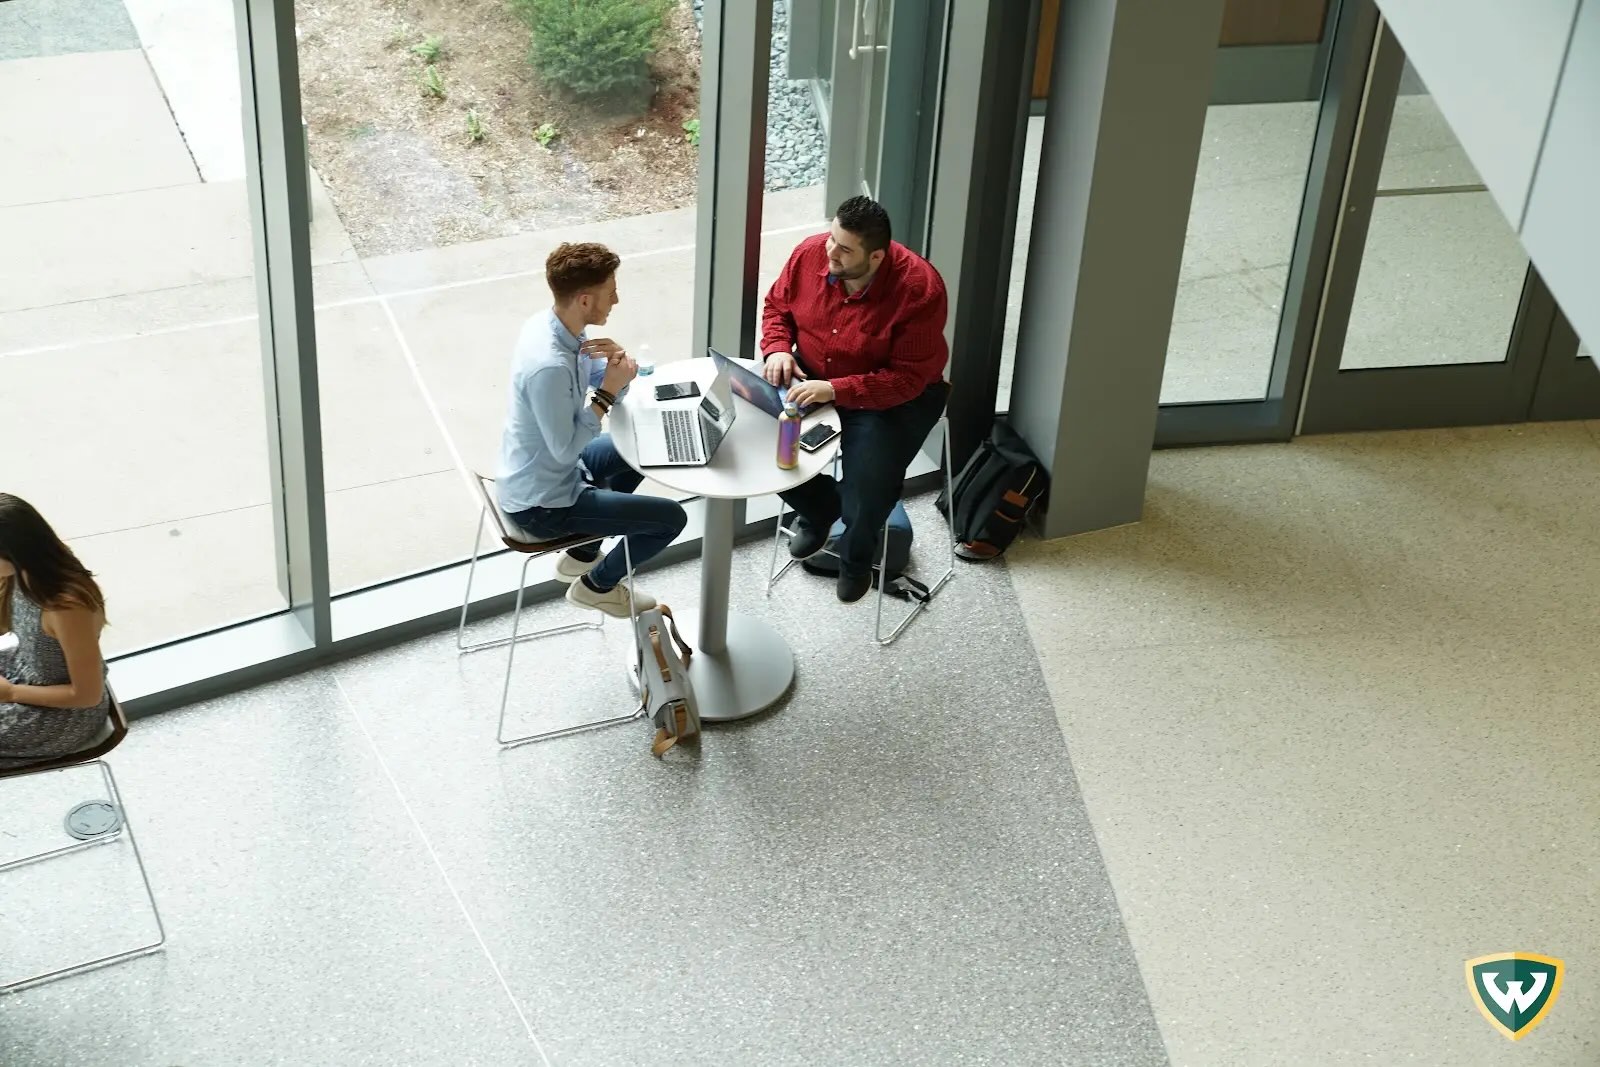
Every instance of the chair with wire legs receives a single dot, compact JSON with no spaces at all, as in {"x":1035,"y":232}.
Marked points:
{"x":90,"y":823}
{"x":918,"y":602}
{"x":515,"y":539}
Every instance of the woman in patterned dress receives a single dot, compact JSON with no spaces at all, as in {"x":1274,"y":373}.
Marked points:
{"x":54,"y":699}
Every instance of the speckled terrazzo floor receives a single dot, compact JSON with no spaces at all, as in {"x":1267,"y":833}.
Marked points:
{"x":1329,"y":713}
{"x":1332,"y":708}
{"x":894,"y":867}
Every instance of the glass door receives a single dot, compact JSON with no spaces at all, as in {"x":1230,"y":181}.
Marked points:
{"x":1285,"y":99}
{"x":1432,"y":314}
{"x":881,"y":106}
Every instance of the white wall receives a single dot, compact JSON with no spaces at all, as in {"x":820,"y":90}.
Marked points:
{"x":1492,"y":66}
{"x":1521,"y":90}
{"x":1561,"y":229}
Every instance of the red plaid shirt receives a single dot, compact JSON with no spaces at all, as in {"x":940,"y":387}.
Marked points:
{"x":879,"y":348}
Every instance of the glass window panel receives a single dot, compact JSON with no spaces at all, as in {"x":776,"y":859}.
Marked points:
{"x":797,"y":143}
{"x":130,"y":356}
{"x":446,"y":167}
{"x":1249,"y":189}
{"x":1442,"y":271}
{"x":1441,"y":278}
{"x":1248,"y":193}
{"x":1421,"y":152}
{"x":1244,"y":216}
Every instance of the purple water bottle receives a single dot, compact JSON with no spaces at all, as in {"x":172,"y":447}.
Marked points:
{"x":789,"y":437}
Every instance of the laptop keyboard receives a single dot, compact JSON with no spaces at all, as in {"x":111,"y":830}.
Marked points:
{"x":679,"y":425}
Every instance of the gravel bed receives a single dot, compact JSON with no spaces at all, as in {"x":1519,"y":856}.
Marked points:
{"x":797,"y":151}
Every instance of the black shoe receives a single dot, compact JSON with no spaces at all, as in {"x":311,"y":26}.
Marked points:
{"x":852,"y":587}
{"x":806,"y":540}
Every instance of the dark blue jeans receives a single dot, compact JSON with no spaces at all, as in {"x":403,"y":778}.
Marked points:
{"x":878,"y":446}
{"x":650,"y":523}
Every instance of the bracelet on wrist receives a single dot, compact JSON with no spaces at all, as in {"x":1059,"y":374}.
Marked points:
{"x":605,"y":396}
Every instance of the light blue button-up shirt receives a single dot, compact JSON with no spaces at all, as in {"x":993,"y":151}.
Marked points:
{"x":548,"y":420}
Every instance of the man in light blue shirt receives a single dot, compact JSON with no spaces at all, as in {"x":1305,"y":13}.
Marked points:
{"x":558,"y":473}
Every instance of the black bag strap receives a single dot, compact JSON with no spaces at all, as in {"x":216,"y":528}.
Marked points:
{"x":900,"y":586}
{"x":904,"y":587}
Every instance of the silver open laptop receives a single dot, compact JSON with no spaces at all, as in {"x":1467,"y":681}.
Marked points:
{"x":683,"y":436}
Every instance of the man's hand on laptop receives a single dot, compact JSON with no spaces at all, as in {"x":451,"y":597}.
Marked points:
{"x":618,"y":374}
{"x":816,"y":391}
{"x":781,"y":368}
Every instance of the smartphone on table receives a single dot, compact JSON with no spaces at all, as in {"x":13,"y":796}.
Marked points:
{"x":817,"y":436}
{"x":677,"y":391}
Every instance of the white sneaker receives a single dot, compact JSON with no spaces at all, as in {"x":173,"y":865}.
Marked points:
{"x":570,"y":570}
{"x":613,"y":602}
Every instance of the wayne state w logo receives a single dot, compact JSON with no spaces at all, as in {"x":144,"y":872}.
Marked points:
{"x":1515,"y":990}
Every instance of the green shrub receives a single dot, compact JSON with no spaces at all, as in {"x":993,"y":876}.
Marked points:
{"x":429,"y":48}
{"x":432,"y":83}
{"x":593,"y":47}
{"x":475,"y":130}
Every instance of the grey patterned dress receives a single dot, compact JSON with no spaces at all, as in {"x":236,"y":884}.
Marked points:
{"x":29,"y":734}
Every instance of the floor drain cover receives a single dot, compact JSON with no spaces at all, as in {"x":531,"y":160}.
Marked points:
{"x":93,"y":818}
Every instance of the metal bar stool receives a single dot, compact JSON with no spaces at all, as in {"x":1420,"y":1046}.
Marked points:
{"x":91,"y":823}
{"x":774,"y":572}
{"x":514,"y":538}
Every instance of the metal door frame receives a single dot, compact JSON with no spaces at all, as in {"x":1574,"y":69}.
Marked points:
{"x":1569,"y":388}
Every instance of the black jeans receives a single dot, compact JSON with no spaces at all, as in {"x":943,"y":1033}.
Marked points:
{"x":650,"y":523}
{"x":878,"y":447}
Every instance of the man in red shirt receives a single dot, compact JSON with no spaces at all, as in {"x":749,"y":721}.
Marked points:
{"x":858,"y":319}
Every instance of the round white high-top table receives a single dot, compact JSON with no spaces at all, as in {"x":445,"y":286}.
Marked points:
{"x":741,"y":665}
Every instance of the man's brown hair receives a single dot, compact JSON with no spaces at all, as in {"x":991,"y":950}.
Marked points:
{"x":572,"y":268}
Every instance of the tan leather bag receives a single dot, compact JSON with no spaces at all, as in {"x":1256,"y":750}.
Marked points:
{"x":664,"y":679}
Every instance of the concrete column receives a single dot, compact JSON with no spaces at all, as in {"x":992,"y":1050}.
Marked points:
{"x":1121,"y":143}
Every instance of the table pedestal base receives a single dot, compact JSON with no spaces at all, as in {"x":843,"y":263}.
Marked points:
{"x":750,"y":675}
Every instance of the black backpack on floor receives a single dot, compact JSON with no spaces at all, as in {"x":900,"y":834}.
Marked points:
{"x":994,"y":493}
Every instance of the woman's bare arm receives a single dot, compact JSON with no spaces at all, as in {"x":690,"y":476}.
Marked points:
{"x":78,"y":632}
